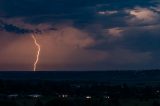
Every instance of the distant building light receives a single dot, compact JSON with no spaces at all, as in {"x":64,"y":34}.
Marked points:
{"x":63,"y":96}
{"x":107,"y":97}
{"x":35,"y":95}
{"x":13,"y":95}
{"x":88,"y":97}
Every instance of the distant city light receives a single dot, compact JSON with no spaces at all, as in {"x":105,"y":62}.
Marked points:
{"x":13,"y":95}
{"x":63,"y":96}
{"x":107,"y":97}
{"x":158,"y":91}
{"x":88,"y":97}
{"x":35,"y":95}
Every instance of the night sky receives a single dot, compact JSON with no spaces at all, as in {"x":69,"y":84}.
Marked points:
{"x":80,"y":34}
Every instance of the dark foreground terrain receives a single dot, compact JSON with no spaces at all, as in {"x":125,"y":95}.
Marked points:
{"x":110,"y":88}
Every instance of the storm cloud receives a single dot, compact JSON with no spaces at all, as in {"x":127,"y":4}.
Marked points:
{"x":81,"y":34}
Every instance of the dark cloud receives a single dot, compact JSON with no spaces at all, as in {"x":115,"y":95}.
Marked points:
{"x":143,"y":39}
{"x":123,"y":32}
{"x":13,"y":29}
{"x":19,"y":30}
{"x":81,"y":11}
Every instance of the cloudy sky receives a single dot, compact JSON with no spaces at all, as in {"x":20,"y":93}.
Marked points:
{"x":80,"y":34}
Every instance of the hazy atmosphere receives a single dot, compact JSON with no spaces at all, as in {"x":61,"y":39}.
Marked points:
{"x":79,"y":34}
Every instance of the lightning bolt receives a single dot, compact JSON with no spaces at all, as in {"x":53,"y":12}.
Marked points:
{"x":38,"y":52}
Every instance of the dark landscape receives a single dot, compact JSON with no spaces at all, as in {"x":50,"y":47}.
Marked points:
{"x":88,"y":88}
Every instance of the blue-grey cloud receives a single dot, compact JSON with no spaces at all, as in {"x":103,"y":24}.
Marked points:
{"x":13,"y":29}
{"x":127,"y":31}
